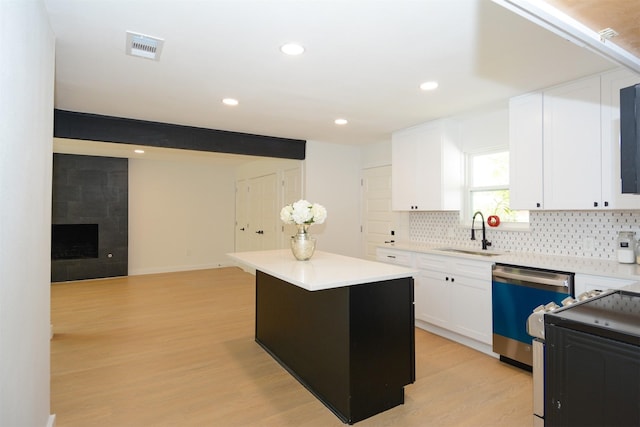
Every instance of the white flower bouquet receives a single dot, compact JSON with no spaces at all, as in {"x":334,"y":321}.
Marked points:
{"x":303,"y":212}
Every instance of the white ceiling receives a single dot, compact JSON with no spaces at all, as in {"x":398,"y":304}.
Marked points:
{"x":364,"y":61}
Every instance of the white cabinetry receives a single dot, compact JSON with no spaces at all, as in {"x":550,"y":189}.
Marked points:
{"x":455,"y":294}
{"x":525,"y":152}
{"x":554,"y":141}
{"x":564,"y":146}
{"x":586,"y":282}
{"x":395,"y":256}
{"x":572,"y":148}
{"x":611,"y":84}
{"x":426,"y":168}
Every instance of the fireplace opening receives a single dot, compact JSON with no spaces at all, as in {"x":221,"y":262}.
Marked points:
{"x":74,"y":241}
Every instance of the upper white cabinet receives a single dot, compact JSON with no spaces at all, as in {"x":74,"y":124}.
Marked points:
{"x":426,"y":168}
{"x":564,"y":146}
{"x":572,"y":149}
{"x":611,"y":84}
{"x":525,"y":152}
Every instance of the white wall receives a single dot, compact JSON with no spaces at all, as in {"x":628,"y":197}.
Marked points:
{"x":376,"y":155}
{"x":181,"y":215}
{"x":26,"y":129}
{"x":264,"y":166}
{"x":333,"y":180}
{"x":484,"y":129}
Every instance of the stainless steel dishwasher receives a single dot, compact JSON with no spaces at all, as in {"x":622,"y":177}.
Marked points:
{"x":516,"y":291}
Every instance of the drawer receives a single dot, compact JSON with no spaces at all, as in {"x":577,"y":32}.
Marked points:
{"x":475,"y":269}
{"x":585,"y":282}
{"x":433,"y":262}
{"x":395,"y":256}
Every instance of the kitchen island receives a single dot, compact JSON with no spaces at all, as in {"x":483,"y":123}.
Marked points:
{"x":343,"y":327}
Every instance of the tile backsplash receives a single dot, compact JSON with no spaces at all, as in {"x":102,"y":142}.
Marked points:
{"x":590,"y":234}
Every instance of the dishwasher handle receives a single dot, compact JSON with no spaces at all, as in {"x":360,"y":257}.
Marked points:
{"x":548,"y":278}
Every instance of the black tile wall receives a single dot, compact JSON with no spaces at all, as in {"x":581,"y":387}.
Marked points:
{"x":92,"y":190}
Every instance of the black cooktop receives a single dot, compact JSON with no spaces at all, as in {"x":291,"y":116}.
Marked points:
{"x":614,"y":315}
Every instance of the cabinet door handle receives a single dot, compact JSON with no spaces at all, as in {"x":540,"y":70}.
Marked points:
{"x":452,"y":280}
{"x":606,"y":203}
{"x":391,"y":256}
{"x":446,"y":278}
{"x":595,"y":204}
{"x":538,"y":205}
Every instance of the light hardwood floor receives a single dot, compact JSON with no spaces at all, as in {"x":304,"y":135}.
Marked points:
{"x":177,"y":349}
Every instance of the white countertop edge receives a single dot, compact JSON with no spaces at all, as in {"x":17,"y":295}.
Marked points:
{"x":323,"y":271}
{"x":578,"y":265}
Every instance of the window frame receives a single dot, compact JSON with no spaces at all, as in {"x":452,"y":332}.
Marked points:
{"x":466,"y":212}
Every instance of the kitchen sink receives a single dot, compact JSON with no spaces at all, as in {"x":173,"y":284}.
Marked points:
{"x":469,"y":251}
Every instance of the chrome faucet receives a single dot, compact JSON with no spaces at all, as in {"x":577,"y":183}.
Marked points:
{"x":485,"y":242}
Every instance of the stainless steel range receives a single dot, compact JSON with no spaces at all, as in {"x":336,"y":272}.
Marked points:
{"x":535,"y":327}
{"x":592,"y":362}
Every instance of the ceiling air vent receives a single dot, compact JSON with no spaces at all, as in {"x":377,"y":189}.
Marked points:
{"x":607,"y":34}
{"x":144,"y":46}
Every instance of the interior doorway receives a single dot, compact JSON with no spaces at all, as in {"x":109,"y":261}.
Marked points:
{"x":376,"y":209}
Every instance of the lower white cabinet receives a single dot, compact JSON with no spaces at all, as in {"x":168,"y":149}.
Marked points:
{"x":395,"y":256}
{"x":455,"y":294}
{"x":451,"y":293}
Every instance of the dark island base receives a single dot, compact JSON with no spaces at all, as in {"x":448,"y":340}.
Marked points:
{"x":353,"y":347}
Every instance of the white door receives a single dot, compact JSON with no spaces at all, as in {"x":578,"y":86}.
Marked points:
{"x":291,"y":192}
{"x":263,"y":212}
{"x":242,"y":241}
{"x":376,"y":209}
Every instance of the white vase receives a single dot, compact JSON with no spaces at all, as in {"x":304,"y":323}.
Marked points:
{"x":302,"y":244}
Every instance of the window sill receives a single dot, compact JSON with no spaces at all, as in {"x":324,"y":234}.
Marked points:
{"x":504,"y":226}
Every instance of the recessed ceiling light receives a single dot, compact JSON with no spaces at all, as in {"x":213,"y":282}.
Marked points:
{"x":292,"y":49}
{"x":230,"y":101}
{"x":340,"y":121}
{"x":138,"y":151}
{"x":429,"y":85}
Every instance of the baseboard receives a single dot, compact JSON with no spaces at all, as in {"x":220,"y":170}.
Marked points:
{"x":51,"y":422}
{"x":461,"y":339}
{"x":177,"y":268}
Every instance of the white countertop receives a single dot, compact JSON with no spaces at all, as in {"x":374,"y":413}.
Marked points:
{"x":323,"y":271}
{"x":591,"y":266}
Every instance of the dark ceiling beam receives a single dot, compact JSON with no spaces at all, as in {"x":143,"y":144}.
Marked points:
{"x":94,"y":127}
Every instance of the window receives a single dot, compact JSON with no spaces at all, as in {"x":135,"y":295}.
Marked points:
{"x":488,"y":187}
